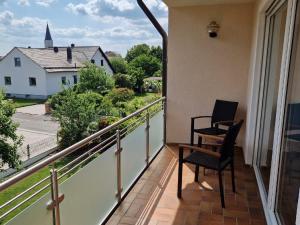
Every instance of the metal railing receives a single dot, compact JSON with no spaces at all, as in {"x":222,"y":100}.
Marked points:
{"x":64,"y":164}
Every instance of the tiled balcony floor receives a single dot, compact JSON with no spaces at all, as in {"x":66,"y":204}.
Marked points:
{"x":153,"y":199}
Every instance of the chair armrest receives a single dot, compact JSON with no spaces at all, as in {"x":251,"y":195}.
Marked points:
{"x":203,"y":150}
{"x":225,"y":122}
{"x":217,"y":138}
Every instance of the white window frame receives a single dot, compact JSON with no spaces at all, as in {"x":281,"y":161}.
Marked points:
{"x":269,"y":202}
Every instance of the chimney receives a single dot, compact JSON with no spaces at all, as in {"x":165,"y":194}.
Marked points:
{"x":55,"y":49}
{"x":69,"y":53}
{"x":72,"y":45}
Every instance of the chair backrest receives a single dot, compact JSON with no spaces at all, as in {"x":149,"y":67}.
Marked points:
{"x":227,"y":148}
{"x":224,"y":111}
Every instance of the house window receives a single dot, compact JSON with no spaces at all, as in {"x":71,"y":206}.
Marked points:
{"x":7,"y":80}
{"x":17,"y":62}
{"x":64,"y":80}
{"x":75,"y":79}
{"x":102,"y":63}
{"x":32,"y":81}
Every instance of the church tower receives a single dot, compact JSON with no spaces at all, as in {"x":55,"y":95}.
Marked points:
{"x":48,"y":39}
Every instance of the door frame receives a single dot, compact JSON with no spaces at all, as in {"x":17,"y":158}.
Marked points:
{"x":269,"y":201}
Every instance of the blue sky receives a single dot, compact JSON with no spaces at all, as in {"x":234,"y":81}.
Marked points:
{"x":113,"y":24}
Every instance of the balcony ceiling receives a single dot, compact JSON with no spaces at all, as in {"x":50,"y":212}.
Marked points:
{"x":175,"y":3}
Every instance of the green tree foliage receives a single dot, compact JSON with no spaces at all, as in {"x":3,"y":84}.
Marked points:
{"x":119,"y":65}
{"x":93,"y":78}
{"x":118,"y":95}
{"x":77,"y":116}
{"x":137,"y":50}
{"x":147,"y":63}
{"x":9,"y":140}
{"x":138,"y":75}
{"x":124,"y":81}
{"x":156,"y":51}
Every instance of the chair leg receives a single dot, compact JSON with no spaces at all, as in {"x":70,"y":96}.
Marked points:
{"x":197,"y":173}
{"x":180,"y":164}
{"x":221,"y":189}
{"x":232,"y":176}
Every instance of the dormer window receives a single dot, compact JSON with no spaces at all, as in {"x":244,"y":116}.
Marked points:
{"x":17,"y":62}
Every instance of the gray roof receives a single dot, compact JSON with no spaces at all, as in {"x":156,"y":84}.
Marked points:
{"x":57,"y":62}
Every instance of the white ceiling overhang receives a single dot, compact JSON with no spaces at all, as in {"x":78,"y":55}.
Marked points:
{"x":177,"y":3}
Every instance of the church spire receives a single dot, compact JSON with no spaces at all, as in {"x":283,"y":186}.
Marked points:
{"x":48,"y":39}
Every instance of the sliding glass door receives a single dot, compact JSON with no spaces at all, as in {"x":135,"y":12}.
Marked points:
{"x":275,"y":30}
{"x":289,"y":167}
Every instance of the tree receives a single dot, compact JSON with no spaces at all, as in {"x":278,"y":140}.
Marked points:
{"x":9,"y":140}
{"x":147,"y":63}
{"x":136,"y":51}
{"x":93,"y":78}
{"x":138,"y":75}
{"x":119,"y":65}
{"x":77,"y":116}
{"x":156,"y":52}
{"x":124,"y":81}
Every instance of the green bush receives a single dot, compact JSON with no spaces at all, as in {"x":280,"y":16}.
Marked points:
{"x":118,"y":95}
{"x":124,"y":81}
{"x":93,"y":78}
{"x":152,"y":86}
{"x":57,"y":99}
{"x":119,"y":65}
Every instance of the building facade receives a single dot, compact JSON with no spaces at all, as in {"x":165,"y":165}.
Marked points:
{"x":40,"y":72}
{"x":254,"y":60}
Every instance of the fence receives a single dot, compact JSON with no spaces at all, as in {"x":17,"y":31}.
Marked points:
{"x":84,"y":183}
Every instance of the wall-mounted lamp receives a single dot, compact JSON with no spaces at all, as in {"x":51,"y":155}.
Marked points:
{"x":213,"y":29}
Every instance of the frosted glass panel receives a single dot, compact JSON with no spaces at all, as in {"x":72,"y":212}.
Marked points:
{"x":36,"y":214}
{"x":90,"y":193}
{"x":156,"y":133}
{"x":133,"y":155}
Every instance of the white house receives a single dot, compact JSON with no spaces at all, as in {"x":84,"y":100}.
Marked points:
{"x":40,"y":72}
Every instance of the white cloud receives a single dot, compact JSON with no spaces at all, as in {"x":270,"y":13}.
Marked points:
{"x":91,"y":8}
{"x":6,"y":17}
{"x":24,"y":2}
{"x":152,"y":4}
{"x":121,"y":5}
{"x":45,"y":3}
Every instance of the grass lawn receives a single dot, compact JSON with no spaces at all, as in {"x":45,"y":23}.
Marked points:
{"x":26,"y":102}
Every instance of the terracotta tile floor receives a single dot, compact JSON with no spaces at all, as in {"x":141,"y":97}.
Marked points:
{"x":153,"y":199}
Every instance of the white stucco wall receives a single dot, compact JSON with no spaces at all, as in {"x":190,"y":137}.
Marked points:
{"x":20,"y":76}
{"x":98,"y":57}
{"x":202,"y":69}
{"x":54,"y":81}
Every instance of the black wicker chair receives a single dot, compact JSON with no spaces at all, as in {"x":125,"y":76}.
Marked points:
{"x":223,"y":114}
{"x":212,"y":160}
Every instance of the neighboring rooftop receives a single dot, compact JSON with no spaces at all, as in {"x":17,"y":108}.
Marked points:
{"x":55,"y":59}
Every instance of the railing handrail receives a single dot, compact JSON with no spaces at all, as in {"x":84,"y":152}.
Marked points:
{"x":7,"y":183}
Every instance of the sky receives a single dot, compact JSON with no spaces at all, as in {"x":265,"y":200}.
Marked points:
{"x":115,"y":25}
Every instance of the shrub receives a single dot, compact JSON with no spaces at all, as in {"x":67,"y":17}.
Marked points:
{"x":93,"y":78}
{"x":118,"y":95}
{"x":119,"y":65}
{"x":152,"y":86}
{"x":124,"y":81}
{"x":57,"y":99}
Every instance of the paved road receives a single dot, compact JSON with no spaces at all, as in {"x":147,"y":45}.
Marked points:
{"x":43,"y":124}
{"x":39,"y":131}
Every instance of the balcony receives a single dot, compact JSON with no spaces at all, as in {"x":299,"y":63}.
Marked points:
{"x":124,"y":174}
{"x":153,"y":200}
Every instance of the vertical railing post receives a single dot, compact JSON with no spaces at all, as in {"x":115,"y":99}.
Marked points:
{"x":28,"y":151}
{"x":164,"y":105}
{"x":119,"y":175}
{"x":55,"y":196}
{"x":147,"y":137}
